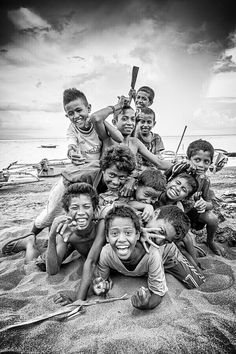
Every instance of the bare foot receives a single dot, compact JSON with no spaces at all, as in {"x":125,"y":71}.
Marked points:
{"x":220,"y":251}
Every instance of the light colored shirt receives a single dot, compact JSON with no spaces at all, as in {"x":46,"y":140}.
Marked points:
{"x":150,"y":265}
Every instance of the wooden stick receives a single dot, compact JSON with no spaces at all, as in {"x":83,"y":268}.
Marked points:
{"x":64,"y":311}
{"x":181,"y":139}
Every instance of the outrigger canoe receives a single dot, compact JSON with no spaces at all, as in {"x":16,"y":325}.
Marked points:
{"x":18,"y":175}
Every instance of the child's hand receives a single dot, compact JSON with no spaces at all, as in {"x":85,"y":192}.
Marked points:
{"x":124,"y":101}
{"x":147,"y":235}
{"x":147,"y":212}
{"x":132,"y":94}
{"x":128,"y":188}
{"x":141,"y":299}
{"x":200,"y":206}
{"x":101,"y":286}
{"x":66,"y":227}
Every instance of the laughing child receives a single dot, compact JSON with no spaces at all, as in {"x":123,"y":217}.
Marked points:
{"x":199,"y":207}
{"x":125,"y":254}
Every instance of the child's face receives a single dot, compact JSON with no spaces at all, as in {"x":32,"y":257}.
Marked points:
{"x":114,"y":178}
{"x":178,"y":189}
{"x":81,"y":210}
{"x":125,"y":122}
{"x":142,"y":99}
{"x":146,"y":123}
{"x":122,"y":237}
{"x":78,"y":112}
{"x":147,"y":195}
{"x":201,"y":160}
{"x":165,"y":228}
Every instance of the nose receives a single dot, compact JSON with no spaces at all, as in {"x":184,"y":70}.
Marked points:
{"x":121,"y":237}
{"x":116,"y":181}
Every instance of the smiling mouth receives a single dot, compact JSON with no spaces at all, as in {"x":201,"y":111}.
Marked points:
{"x":81,"y":222}
{"x":122,"y":250}
{"x":174,"y":192}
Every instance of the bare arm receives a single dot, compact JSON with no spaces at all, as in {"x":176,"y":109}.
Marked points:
{"x":91,"y":261}
{"x":114,"y":133}
{"x":98,"y":120}
{"x":160,"y":163}
{"x":56,"y":250}
{"x":144,"y":299}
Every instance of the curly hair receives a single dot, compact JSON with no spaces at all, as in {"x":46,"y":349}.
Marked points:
{"x":176,"y":217}
{"x":122,"y":211}
{"x":149,"y":91}
{"x":76,"y":189}
{"x":73,"y":94}
{"x":119,"y":155}
{"x":152,"y":178}
{"x":191,"y":180}
{"x":200,"y":144}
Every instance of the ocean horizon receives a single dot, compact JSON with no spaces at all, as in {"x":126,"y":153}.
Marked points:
{"x":30,"y":150}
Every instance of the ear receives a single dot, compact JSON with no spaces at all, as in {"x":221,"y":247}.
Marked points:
{"x":89,"y":108}
{"x":114,"y":121}
{"x":150,"y":103}
{"x":156,"y":213}
{"x":154,"y":123}
{"x":107,"y":239}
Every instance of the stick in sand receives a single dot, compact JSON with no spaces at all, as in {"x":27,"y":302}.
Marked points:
{"x":180,"y":140}
{"x":66,"y":311}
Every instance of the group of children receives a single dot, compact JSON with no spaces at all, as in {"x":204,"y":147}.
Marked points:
{"x":117,"y":209}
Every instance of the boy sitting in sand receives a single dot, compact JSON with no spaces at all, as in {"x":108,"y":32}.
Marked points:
{"x":79,"y":226}
{"x":125,"y":254}
{"x":199,"y":208}
{"x":83,"y":141}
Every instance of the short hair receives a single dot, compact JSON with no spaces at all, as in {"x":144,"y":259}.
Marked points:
{"x":191,"y":180}
{"x":76,"y":189}
{"x":200,"y":144}
{"x":149,"y":91}
{"x":176,"y":217}
{"x":73,"y":94}
{"x":146,"y":110}
{"x":122,"y":211}
{"x":152,"y":178}
{"x":119,"y":155}
{"x":118,"y":113}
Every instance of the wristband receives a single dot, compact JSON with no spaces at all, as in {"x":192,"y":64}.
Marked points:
{"x":113,"y":109}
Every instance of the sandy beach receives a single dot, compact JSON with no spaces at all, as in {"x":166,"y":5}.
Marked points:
{"x":187,"y":321}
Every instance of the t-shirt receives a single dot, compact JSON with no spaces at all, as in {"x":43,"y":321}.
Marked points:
{"x":155,"y":146}
{"x":150,"y":265}
{"x":88,"y":142}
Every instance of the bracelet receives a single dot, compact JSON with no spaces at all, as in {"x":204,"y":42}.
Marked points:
{"x":113,"y":109}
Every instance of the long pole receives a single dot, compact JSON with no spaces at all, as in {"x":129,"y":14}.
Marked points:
{"x":181,"y":139}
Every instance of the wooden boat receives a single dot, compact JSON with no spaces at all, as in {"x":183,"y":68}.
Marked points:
{"x":228,"y":154}
{"x":18,"y":175}
{"x":49,"y":146}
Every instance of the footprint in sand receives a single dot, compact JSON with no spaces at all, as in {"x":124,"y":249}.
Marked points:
{"x":219,"y":276}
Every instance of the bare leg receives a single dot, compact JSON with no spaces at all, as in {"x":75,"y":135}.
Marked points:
{"x":211,"y":221}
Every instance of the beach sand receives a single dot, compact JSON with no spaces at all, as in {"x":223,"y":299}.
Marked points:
{"x":187,"y":321}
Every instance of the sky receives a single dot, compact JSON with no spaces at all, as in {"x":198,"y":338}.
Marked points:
{"x":185,"y":51}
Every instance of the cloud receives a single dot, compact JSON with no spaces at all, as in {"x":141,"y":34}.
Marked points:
{"x":34,"y":106}
{"x":204,"y":47}
{"x":25,"y":19}
{"x":225,"y":64}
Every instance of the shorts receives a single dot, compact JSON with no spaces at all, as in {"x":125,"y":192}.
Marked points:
{"x":194,"y":219}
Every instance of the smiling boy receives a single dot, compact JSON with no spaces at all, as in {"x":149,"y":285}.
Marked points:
{"x":125,"y":254}
{"x":79,"y":227}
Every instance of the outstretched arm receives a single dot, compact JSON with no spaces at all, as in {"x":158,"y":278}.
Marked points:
{"x":91,"y":261}
{"x":160,"y":163}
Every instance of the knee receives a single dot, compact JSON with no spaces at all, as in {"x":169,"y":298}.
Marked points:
{"x":211,"y":219}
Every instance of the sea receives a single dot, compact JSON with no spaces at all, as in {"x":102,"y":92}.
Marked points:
{"x":31,"y":151}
